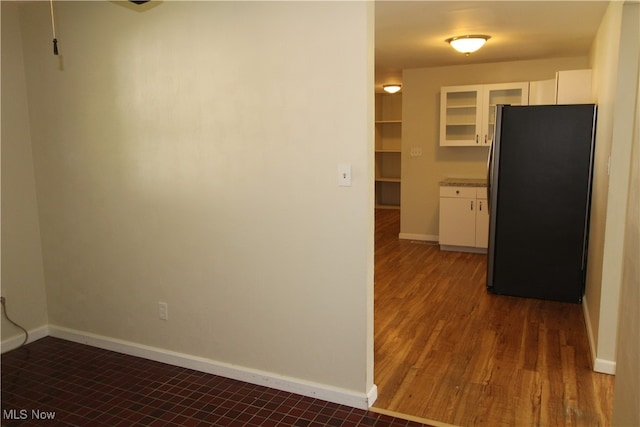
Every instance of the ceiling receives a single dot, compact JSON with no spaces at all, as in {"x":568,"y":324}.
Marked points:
{"x":411,"y":34}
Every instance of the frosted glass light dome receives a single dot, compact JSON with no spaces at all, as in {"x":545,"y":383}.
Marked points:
{"x":391,"y":88}
{"x":467,"y":44}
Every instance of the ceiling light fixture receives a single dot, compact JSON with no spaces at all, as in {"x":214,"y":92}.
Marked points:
{"x":467,"y":44}
{"x":391,"y":88}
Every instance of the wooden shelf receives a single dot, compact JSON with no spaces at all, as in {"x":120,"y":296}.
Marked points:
{"x":379,"y":206}
{"x":388,"y":150}
{"x":453,"y":107}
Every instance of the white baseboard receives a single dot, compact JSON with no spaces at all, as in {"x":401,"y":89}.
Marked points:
{"x":421,"y":237}
{"x":463,"y":249}
{"x":587,"y":321}
{"x":253,"y":376}
{"x":599,"y":365}
{"x":372,"y":396}
{"x":15,"y":342}
{"x":604,"y":366}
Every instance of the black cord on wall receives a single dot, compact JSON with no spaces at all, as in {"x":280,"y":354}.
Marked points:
{"x":4,"y":311}
{"x":53,"y":28}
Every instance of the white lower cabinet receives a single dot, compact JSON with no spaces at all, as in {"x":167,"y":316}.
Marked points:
{"x":482,"y":219}
{"x":464,"y":218}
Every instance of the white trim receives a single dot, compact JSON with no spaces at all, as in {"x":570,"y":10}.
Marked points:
{"x":469,"y":249}
{"x":604,"y":366}
{"x":421,"y":237}
{"x":599,"y":365}
{"x":253,"y":376}
{"x":15,"y":342}
{"x":587,"y":321}
{"x":372,"y":396}
{"x":413,"y":418}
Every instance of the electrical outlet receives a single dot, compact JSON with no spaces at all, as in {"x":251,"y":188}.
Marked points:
{"x":163,"y":310}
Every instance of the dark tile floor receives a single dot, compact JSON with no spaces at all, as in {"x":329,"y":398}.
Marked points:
{"x":57,"y":382}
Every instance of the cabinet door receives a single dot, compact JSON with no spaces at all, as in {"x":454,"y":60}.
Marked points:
{"x":573,"y":87}
{"x":460,"y":115}
{"x":495,"y":94}
{"x":482,"y":224}
{"x":542,"y":92}
{"x":457,"y":221}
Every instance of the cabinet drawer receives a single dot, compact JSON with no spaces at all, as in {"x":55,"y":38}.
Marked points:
{"x":462,"y":192}
{"x":481,"y":193}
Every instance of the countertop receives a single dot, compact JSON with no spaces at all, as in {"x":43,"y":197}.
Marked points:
{"x":464,"y":182}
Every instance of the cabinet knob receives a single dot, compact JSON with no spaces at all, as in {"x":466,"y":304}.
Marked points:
{"x":472,"y":205}
{"x":457,"y":191}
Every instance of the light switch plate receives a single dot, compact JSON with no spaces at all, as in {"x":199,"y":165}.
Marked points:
{"x":344,"y":175}
{"x":163,"y":311}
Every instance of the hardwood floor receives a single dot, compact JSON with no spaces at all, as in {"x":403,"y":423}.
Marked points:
{"x":447,"y":350}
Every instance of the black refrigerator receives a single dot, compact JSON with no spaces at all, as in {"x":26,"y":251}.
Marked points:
{"x":539,"y":188}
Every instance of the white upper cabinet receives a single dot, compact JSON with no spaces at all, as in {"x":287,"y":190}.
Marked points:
{"x":569,"y":87}
{"x":467,"y":113}
{"x":542,"y":92}
{"x":496,"y":94}
{"x":573,"y":87}
{"x":460,"y":115}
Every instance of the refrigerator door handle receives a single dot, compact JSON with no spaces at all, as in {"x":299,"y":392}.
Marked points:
{"x":489,"y":176}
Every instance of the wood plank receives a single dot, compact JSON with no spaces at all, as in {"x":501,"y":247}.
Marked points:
{"x":447,"y":350}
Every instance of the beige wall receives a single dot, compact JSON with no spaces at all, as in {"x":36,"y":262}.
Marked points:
{"x":420,"y":129}
{"x":626,"y":407}
{"x":189,"y":154}
{"x":23,"y":283}
{"x":626,"y":410}
{"x":615,"y":64}
{"x":604,"y":59}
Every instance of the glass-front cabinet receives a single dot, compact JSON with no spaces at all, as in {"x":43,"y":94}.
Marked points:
{"x":467,"y":113}
{"x":460,"y":115}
